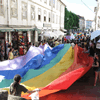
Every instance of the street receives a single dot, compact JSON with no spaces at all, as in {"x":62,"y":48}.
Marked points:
{"x":82,"y":89}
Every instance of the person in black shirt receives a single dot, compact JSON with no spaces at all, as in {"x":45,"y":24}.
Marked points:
{"x":16,"y":88}
{"x":92,"y":49}
{"x":96,"y":68}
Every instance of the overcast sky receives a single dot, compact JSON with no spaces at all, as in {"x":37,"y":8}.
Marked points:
{"x":78,"y":7}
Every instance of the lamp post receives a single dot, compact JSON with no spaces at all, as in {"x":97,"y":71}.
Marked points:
{"x":67,"y":26}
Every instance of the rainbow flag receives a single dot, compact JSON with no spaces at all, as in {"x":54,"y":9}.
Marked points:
{"x":49,"y":69}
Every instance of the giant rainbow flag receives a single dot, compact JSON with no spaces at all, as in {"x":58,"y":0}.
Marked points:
{"x":50,"y":69}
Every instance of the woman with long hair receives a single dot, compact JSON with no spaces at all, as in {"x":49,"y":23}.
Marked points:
{"x":96,"y":68}
{"x":10,"y":54}
{"x":16,"y":88}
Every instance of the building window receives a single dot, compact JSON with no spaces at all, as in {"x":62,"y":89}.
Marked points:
{"x":99,"y":23}
{"x":62,"y":20}
{"x":39,"y":14}
{"x":49,"y":17}
{"x":45,"y":15}
{"x":54,"y":3}
{"x":53,"y":17}
{"x":13,"y":8}
{"x":49,"y":2}
{"x":59,"y":19}
{"x":57,"y":5}
{"x":56,"y":19}
{"x":1,"y":8}
{"x":45,"y":1}
{"x":24,"y":10}
{"x":62,"y":8}
{"x":32,"y":13}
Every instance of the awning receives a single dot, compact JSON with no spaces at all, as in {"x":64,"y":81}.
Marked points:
{"x":38,"y":30}
{"x":64,"y":30}
{"x":6,"y":29}
{"x":95,"y":34}
{"x":24,"y":29}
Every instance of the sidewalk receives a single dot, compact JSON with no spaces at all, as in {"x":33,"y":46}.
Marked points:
{"x":82,"y":89}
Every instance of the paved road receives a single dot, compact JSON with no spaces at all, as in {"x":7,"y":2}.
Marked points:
{"x":82,"y":89}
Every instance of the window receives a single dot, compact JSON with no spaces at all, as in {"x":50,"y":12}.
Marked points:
{"x":62,"y":8}
{"x":45,"y":15}
{"x":57,"y":5}
{"x":32,"y":13}
{"x":45,"y":1}
{"x":53,"y":18}
{"x":54,"y":3}
{"x":59,"y":19}
{"x":98,"y":23}
{"x":13,"y":8}
{"x":39,"y":14}
{"x":49,"y":17}
{"x":62,"y":20}
{"x":24,"y":10}
{"x":56,"y":19}
{"x":49,"y":2}
{"x":1,"y":8}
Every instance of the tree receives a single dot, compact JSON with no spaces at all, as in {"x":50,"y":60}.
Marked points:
{"x":71,"y":20}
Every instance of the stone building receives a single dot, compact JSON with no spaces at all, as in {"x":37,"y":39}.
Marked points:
{"x":21,"y":21}
{"x":81,"y":23}
{"x":97,"y":15}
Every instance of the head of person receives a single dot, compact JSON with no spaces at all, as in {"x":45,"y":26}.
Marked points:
{"x":17,"y":80}
{"x":97,"y":56}
{"x":2,"y":47}
{"x":44,"y":41}
{"x":86,"y":47}
{"x":10,"y":50}
{"x":30,"y":43}
{"x":33,"y":44}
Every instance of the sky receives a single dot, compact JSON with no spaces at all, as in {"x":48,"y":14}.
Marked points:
{"x":78,"y":7}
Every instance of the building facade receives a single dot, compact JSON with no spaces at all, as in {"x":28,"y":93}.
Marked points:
{"x":23,"y":20}
{"x":97,"y":15}
{"x":89,"y":24}
{"x":81,"y":23}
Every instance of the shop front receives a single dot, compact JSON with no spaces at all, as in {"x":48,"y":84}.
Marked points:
{"x":20,"y":40}
{"x":46,"y":27}
{"x":33,"y":37}
{"x":4,"y":40}
{"x":2,"y":45}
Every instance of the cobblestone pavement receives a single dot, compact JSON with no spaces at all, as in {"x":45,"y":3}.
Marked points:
{"x":82,"y":89}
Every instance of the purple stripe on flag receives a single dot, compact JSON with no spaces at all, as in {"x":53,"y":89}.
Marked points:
{"x":68,"y":37}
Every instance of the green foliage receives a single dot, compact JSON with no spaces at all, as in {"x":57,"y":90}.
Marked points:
{"x":71,"y":20}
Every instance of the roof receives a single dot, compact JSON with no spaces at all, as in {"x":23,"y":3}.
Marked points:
{"x":89,"y":20}
{"x":62,"y":2}
{"x":80,"y":17}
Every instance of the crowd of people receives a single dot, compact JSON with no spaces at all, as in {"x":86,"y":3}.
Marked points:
{"x":9,"y":52}
{"x":82,"y":40}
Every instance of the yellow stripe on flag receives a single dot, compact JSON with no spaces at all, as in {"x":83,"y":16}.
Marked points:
{"x":54,"y":72}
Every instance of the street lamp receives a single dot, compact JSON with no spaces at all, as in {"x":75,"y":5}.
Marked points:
{"x":67,"y":18}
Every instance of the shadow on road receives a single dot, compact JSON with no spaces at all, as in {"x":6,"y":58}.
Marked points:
{"x":82,"y":89}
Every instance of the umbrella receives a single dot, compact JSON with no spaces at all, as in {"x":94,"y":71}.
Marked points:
{"x":49,"y":34}
{"x":95,"y":34}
